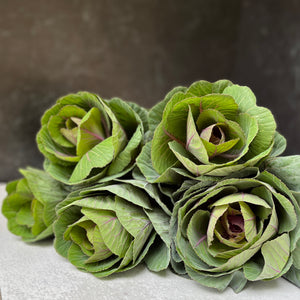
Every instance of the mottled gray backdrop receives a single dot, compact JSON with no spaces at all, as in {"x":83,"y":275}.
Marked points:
{"x":138,"y":50}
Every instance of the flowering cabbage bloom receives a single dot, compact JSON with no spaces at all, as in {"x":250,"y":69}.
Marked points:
{"x":208,"y":129}
{"x":237,"y":230}
{"x":30,"y":204}
{"x":86,"y":138}
{"x":112,"y":227}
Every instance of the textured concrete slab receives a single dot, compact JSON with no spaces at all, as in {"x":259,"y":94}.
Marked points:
{"x":37,"y":272}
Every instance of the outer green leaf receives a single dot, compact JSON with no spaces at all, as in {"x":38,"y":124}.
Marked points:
{"x":46,"y":190}
{"x":288,"y":217}
{"x":162,"y":195}
{"x":202,"y":87}
{"x":238,"y":281}
{"x":128,"y":265}
{"x":141,"y":239}
{"x":176,"y":98}
{"x":127,"y":155}
{"x":158,"y":257}
{"x":197,"y":228}
{"x":161,"y":156}
{"x":24,"y":215}
{"x":58,"y":172}
{"x":279,"y":144}
{"x":189,"y":256}
{"x":220,"y":85}
{"x":142,"y":113}
{"x":246,"y":101}
{"x":84,"y":100}
{"x":156,"y":112}
{"x":276,"y":254}
{"x":296,"y":255}
{"x":144,"y":163}
{"x":37,"y":210}
{"x":267,"y":126}
{"x":105,"y":202}
{"x":61,"y":245}
{"x":249,"y":127}
{"x":125,"y":191}
{"x":160,"y":222}
{"x":287,"y":168}
{"x":220,"y":282}
{"x":132,"y":217}
{"x":293,"y":275}
{"x":241,"y":197}
{"x":242,"y":95}
{"x":282,"y":188}
{"x":98,"y":157}
{"x":124,"y":115}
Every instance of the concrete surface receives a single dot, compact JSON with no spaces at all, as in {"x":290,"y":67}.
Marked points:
{"x":37,"y":272}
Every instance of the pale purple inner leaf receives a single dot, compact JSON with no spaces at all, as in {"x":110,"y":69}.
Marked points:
{"x":236,"y":223}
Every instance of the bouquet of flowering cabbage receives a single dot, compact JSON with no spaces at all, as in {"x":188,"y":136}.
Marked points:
{"x":196,"y":184}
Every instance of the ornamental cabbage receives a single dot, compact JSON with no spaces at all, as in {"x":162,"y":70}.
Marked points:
{"x":208,"y":129}
{"x":85,"y":138}
{"x":112,"y":227}
{"x":237,"y":230}
{"x":30,"y":204}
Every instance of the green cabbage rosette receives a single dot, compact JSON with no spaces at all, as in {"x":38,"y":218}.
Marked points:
{"x":208,"y":129}
{"x":235,"y":231}
{"x":85,"y":138}
{"x":112,"y":227}
{"x":30,"y":204}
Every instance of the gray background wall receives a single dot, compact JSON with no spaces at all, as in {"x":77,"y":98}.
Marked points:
{"x":138,"y":50}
